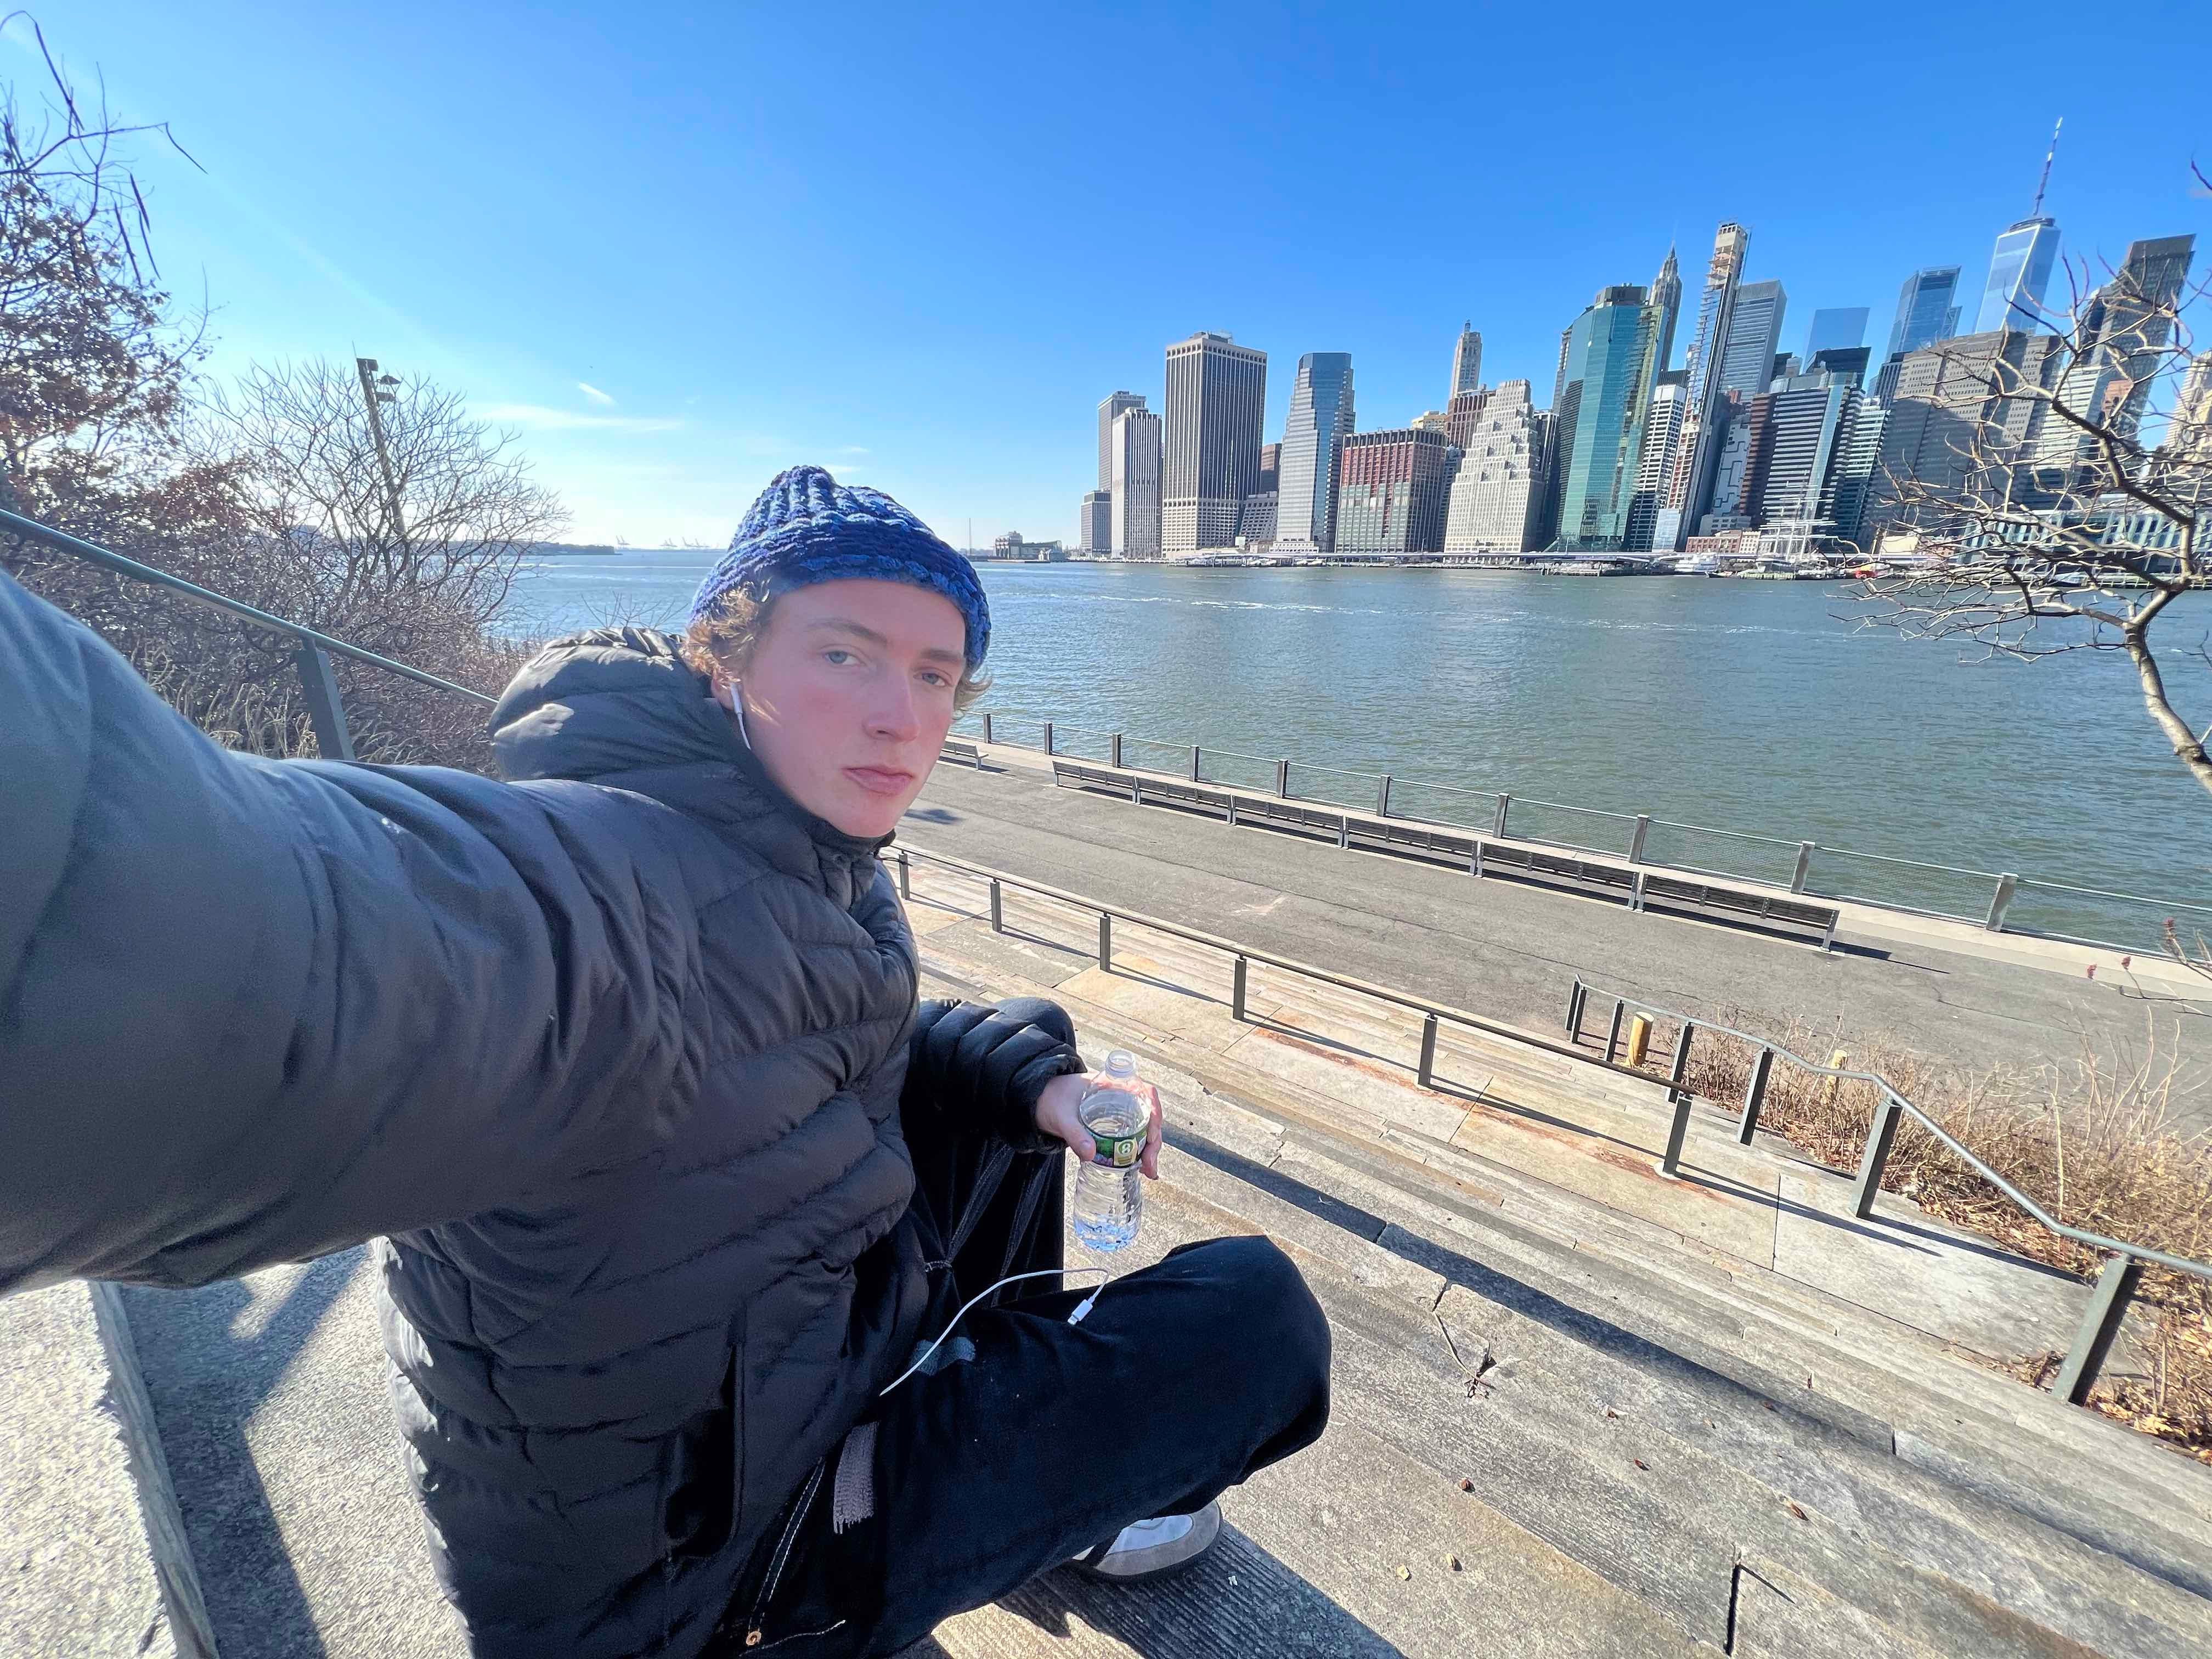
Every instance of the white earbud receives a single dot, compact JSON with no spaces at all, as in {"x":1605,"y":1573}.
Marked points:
{"x":735,"y":702}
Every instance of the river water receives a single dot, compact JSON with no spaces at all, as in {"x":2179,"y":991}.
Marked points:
{"x":1745,"y":706}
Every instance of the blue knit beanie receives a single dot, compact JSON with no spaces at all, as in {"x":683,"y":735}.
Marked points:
{"x":806,"y":528}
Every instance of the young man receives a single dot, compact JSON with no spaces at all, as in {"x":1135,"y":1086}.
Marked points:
{"x":623,"y":1065}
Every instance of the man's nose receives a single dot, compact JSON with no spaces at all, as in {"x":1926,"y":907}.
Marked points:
{"x":894,"y":711}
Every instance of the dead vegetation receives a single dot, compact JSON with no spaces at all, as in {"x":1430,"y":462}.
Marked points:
{"x":2098,"y":1143}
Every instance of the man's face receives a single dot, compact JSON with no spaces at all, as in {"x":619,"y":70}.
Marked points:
{"x":849,"y":695}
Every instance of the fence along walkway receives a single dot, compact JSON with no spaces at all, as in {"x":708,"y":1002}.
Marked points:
{"x":2109,"y":1302}
{"x":2115,"y":1288}
{"x":2001,"y":902}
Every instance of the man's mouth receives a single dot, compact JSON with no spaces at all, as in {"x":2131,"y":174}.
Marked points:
{"x":879,"y":781}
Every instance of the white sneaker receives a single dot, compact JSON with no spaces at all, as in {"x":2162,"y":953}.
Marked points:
{"x":1152,"y":1549}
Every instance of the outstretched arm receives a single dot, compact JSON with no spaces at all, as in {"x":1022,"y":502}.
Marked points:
{"x":253,"y":1012}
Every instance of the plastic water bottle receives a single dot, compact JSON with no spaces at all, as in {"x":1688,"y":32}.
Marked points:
{"x":1109,"y":1198}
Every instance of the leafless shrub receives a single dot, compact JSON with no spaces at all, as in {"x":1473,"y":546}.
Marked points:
{"x":2098,"y":1143}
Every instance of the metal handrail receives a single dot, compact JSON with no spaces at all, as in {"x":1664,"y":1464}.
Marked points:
{"x":311,"y":662}
{"x":999,"y":879}
{"x":93,"y":553}
{"x":2115,"y":1285}
{"x":2004,"y":889}
{"x":2107,"y":893}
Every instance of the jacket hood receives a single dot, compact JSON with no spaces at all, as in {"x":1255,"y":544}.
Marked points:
{"x":621,"y":708}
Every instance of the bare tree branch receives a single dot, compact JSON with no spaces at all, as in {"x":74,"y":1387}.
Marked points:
{"x":2064,"y":510}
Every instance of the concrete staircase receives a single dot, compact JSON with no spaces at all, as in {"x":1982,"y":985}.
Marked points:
{"x":1579,"y":1410}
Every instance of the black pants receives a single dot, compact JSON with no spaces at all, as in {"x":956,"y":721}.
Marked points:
{"x":1185,"y":1379}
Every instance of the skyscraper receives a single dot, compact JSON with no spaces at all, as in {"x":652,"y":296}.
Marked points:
{"x":1955,"y":398}
{"x":1663,"y":430}
{"x":1391,"y":491}
{"x":2189,"y":434}
{"x":1753,"y":340}
{"x":1667,"y":295}
{"x":2019,"y":267}
{"x":1467,"y":361}
{"x":1462,"y":412}
{"x":1847,"y":363}
{"x":1110,"y":410}
{"x":1320,"y":421}
{"x":1217,"y":391}
{"x":1927,"y":309}
{"x":1498,"y":499}
{"x":1095,"y":526}
{"x":1135,"y":504}
{"x":2119,"y":335}
{"x":1835,"y":328}
{"x":1697,"y":447}
{"x":1602,"y":399}
{"x":1798,"y":433}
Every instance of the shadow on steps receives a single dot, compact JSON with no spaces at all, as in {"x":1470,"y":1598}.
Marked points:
{"x":1239,"y":1601}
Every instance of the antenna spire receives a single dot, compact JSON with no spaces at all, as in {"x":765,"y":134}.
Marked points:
{"x":2044,"y":183}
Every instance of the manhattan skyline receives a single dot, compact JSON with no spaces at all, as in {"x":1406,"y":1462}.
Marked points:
{"x":666,"y":257}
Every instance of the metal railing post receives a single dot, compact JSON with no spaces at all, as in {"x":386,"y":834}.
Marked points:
{"x":1678,"y":1095}
{"x":906,"y":875}
{"x":2001,"y":903}
{"x":1113,"y":749}
{"x":2100,"y":1326}
{"x":1754,"y":1095}
{"x":1805,"y":850}
{"x":1236,"y":990}
{"x":1344,"y":831}
{"x":1428,"y":1072}
{"x":987,"y":725}
{"x":1047,"y":737}
{"x":1575,"y":994}
{"x":1105,"y":942}
{"x":1383,"y":798}
{"x":1193,"y":763}
{"x":1282,"y":780}
{"x":1613,"y":1032}
{"x":325,"y":707}
{"x":1881,"y":1134}
{"x":997,"y":912}
{"x":1635,"y":842}
{"x":1504,"y":805}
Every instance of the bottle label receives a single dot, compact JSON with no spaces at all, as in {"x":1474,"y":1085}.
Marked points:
{"x":1119,"y":1150}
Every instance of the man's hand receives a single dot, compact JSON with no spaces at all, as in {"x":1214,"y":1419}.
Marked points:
{"x":1056,"y":1115}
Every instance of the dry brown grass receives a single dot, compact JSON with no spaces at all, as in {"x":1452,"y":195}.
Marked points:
{"x":2097,"y":1144}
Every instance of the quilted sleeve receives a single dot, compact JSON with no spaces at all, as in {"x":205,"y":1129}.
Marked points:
{"x":256,"y":1011}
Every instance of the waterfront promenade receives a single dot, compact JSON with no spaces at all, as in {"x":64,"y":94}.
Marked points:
{"x":1942,"y":990}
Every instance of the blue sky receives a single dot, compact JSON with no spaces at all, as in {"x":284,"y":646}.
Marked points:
{"x":680,"y":246}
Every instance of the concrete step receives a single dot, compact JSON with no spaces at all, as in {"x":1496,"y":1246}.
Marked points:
{"x":1660,"y":1496}
{"x":270,"y":1393}
{"x":1847,"y":1347}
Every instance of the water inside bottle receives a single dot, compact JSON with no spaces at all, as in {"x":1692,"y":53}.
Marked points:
{"x":1108,"y":1201}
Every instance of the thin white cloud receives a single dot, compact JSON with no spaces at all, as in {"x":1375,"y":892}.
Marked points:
{"x":536,"y":417}
{"x":594,"y":393}
{"x":856,"y":449}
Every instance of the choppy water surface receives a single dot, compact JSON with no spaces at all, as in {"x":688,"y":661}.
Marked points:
{"x":1738,"y":705}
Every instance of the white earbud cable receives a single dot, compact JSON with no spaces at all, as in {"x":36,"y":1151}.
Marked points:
{"x":1074,"y":1318}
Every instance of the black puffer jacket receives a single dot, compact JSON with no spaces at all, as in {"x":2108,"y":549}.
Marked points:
{"x":614,"y":1056}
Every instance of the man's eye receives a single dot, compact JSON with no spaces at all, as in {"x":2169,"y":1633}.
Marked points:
{"x":936,"y":678}
{"x":837,"y":656}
